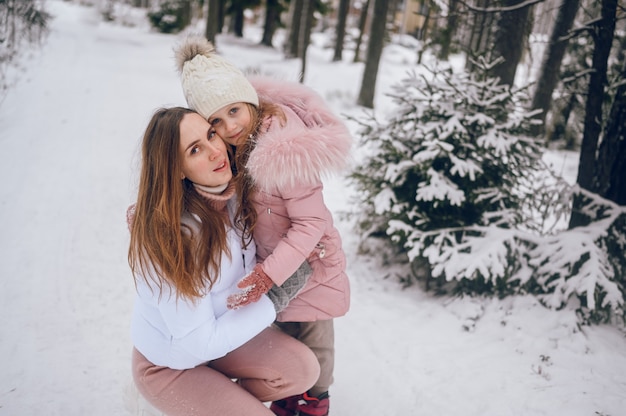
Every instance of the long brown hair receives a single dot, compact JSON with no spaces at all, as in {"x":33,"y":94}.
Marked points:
{"x":246,"y":215}
{"x":162,"y":249}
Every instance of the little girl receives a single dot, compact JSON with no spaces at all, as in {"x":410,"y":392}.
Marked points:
{"x":285,"y":139}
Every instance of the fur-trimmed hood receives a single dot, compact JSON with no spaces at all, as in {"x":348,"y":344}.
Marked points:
{"x":312,"y":144}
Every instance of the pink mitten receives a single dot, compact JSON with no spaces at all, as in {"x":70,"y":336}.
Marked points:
{"x":253,"y":286}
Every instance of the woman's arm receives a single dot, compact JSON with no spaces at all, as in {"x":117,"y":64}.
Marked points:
{"x":197,"y":332}
{"x":181,"y":334}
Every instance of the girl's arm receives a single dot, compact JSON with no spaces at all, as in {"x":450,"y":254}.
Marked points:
{"x":307,"y":214}
{"x":302,"y":217}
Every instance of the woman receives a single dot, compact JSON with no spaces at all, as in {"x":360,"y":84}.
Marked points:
{"x":187,"y":257}
{"x":285,"y":139}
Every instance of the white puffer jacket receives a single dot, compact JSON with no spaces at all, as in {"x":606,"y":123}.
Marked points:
{"x":182,"y":335}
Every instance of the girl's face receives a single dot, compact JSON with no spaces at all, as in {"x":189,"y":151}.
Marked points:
{"x":204,"y":156}
{"x":232,"y":122}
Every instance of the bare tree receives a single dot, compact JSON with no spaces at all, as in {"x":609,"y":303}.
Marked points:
{"x":212,"y":20}
{"x":273,"y":9}
{"x":602,"y":33}
{"x":301,"y":14}
{"x":448,"y":33}
{"x":362,"y":21}
{"x":610,"y":178}
{"x":374,"y":52}
{"x":481,"y":29}
{"x":549,"y":73}
{"x":304,"y":38}
{"x":295,"y":19}
{"x":340,"y":32}
{"x":510,"y":37}
{"x":235,"y":10}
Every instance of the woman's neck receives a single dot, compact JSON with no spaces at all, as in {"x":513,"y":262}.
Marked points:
{"x":217,"y":190}
{"x":217,"y":199}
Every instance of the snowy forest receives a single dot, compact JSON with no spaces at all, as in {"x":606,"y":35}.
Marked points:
{"x":483,"y":216}
{"x":452,"y":180}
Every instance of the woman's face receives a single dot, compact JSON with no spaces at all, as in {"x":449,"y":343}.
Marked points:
{"x":204,"y":156}
{"x":232,"y":123}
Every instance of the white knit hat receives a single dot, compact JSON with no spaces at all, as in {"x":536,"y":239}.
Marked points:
{"x":209,"y":81}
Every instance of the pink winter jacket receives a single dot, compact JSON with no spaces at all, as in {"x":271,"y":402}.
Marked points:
{"x":294,"y":223}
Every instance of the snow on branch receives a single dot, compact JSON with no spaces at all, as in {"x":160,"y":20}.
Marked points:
{"x":518,"y":6}
{"x":451,"y":179}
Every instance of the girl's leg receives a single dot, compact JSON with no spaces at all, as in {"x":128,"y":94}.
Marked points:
{"x":200,"y":391}
{"x":319,"y":336}
{"x":271,"y":366}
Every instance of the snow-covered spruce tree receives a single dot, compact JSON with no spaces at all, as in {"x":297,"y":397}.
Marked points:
{"x":451,"y":178}
{"x":586,"y":263}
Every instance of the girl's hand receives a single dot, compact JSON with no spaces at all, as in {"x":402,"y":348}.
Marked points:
{"x":253,"y":286}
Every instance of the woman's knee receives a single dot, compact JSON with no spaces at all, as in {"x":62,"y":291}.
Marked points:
{"x":307,"y":364}
{"x":310,"y":362}
{"x":288,"y":367}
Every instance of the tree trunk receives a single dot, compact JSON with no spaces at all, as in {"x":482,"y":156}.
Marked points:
{"x":448,"y":33}
{"x":423,"y":33}
{"x":212,"y":21}
{"x":272,"y":18}
{"x":551,"y":64}
{"x":306,"y":25}
{"x":295,"y":18}
{"x":480,"y":33}
{"x":236,"y":24}
{"x":510,"y":37}
{"x":221,"y":15}
{"x":362,"y":22}
{"x":308,"y":17}
{"x":340,"y":32}
{"x":611,"y":165}
{"x":185,"y":14}
{"x":603,"y":38}
{"x":560,"y":121}
{"x":374,"y":52}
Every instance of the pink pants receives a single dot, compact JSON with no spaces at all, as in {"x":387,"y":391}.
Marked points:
{"x":269,"y":367}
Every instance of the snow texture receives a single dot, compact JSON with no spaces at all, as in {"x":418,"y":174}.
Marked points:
{"x":70,"y":131}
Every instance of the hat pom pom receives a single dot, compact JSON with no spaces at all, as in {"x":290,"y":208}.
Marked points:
{"x":193,"y":45}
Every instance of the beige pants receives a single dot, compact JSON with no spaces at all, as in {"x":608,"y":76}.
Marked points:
{"x":319,"y":336}
{"x":269,"y":367}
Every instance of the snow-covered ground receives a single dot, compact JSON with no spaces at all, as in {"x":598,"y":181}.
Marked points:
{"x":69,"y":135}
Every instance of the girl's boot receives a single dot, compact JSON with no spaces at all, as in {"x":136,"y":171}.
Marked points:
{"x":314,"y":406}
{"x":287,"y":406}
